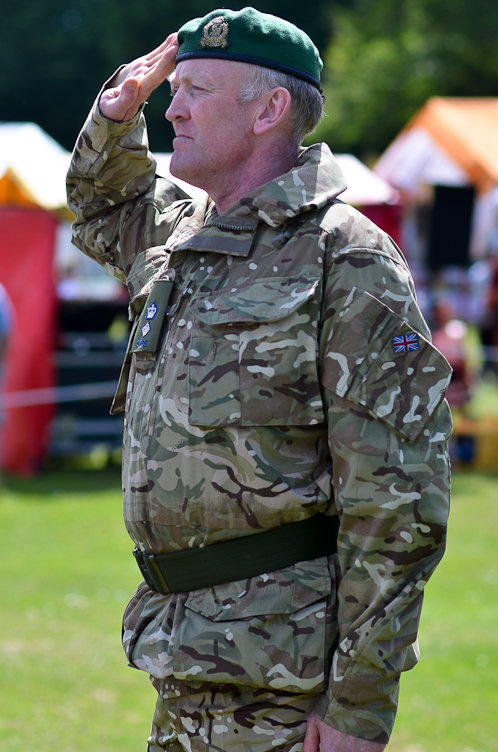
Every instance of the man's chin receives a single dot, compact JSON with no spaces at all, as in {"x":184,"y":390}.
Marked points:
{"x":179,"y":169}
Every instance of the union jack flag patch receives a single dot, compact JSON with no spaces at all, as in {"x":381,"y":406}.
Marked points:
{"x":405,"y":343}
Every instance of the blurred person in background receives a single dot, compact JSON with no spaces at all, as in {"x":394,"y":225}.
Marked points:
{"x":491,"y":319}
{"x":6,"y":316}
{"x":450,"y":335}
{"x":285,"y":474}
{"x":460,"y":345}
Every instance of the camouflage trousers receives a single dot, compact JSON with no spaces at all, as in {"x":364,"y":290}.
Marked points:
{"x":195,"y":716}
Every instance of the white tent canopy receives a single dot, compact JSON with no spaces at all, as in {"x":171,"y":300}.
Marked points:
{"x":364,"y":186}
{"x":36,"y":162}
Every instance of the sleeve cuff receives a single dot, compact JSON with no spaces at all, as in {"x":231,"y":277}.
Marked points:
{"x":355,"y":722}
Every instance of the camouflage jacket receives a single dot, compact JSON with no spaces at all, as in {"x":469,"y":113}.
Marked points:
{"x":274,"y":391}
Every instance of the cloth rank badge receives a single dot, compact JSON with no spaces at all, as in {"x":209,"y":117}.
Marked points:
{"x":405,"y":343}
{"x":152,"y":317}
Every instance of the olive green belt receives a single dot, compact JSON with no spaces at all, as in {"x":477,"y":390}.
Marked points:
{"x":239,"y":558}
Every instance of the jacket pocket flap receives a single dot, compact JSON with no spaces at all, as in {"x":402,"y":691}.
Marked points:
{"x":284,"y":592}
{"x":265,"y":300}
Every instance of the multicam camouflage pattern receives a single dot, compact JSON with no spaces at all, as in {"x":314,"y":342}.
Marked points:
{"x":275,"y":393}
{"x":272,"y":631}
{"x":195,"y":716}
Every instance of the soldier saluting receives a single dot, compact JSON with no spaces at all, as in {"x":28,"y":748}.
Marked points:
{"x":285,"y":472}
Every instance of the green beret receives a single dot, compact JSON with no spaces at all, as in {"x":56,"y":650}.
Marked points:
{"x":251,"y":37}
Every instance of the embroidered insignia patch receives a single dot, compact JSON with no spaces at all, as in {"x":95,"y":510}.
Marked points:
{"x":151,"y":311}
{"x":146,"y":328}
{"x":215,"y":33}
{"x":405,"y":343}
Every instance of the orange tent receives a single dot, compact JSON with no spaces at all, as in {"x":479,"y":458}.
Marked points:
{"x":451,"y":141}
{"x":462,"y":130}
{"x":467,"y":129}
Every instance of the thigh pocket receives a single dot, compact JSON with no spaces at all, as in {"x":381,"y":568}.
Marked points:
{"x":273,"y":631}
{"x":254,"y":360}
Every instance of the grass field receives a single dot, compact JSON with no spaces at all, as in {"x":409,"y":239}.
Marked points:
{"x":67,"y":573}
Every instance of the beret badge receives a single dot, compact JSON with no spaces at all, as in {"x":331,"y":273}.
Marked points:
{"x":215,"y":33}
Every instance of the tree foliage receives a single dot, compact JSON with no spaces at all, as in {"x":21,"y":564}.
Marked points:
{"x":387,"y":57}
{"x":54,"y":56}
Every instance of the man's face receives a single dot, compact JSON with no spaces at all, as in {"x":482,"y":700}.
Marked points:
{"x":213,"y":130}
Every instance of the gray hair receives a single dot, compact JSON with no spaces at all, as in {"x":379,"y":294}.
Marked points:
{"x":306,"y":101}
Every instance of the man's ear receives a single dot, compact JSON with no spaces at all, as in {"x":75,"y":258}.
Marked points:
{"x":272,"y":110}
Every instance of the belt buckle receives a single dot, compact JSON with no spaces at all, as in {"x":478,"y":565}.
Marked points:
{"x":151,"y":572}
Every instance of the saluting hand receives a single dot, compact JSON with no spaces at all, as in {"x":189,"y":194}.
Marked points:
{"x":135,"y":82}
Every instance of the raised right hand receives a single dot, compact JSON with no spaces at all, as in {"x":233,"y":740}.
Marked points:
{"x":135,"y":82}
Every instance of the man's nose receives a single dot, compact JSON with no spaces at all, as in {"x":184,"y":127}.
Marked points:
{"x":176,"y":110}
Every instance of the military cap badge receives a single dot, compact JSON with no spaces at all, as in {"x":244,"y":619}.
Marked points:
{"x":215,"y":33}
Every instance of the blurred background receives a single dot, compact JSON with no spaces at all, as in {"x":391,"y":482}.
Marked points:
{"x":412,"y":116}
{"x":411,"y":113}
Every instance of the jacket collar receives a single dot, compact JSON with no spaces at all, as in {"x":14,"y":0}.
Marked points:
{"x":315,"y":181}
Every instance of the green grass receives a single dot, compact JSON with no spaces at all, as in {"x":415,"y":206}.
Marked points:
{"x":449,"y":703}
{"x":67,"y":573}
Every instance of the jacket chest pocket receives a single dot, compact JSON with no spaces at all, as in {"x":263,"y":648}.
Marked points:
{"x":254,"y":359}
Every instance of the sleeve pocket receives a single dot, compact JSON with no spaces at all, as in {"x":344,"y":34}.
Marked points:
{"x":376,"y":360}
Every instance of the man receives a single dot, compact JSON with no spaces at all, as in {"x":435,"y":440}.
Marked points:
{"x":280,"y":385}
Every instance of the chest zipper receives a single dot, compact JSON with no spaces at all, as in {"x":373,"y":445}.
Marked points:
{"x":174,"y":308}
